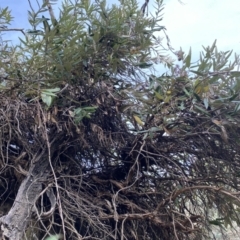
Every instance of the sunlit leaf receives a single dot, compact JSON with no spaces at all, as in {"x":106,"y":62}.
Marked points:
{"x":51,"y":90}
{"x":206,"y":102}
{"x":167,"y":98}
{"x":46,"y":99}
{"x":54,"y":237}
{"x":138,"y":120}
{"x":158,"y":95}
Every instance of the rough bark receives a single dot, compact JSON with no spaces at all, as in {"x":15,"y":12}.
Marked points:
{"x":15,"y":222}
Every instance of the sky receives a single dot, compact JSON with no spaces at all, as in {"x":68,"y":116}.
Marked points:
{"x":199,"y":22}
{"x":191,"y":24}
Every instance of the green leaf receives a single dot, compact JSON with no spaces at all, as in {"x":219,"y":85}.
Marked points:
{"x":90,"y":109}
{"x":201,"y":110}
{"x":216,"y":222}
{"x":237,"y":108}
{"x":21,"y":40}
{"x":144,"y":65}
{"x":206,"y":103}
{"x":197,"y":97}
{"x":234,"y":97}
{"x":158,"y":95}
{"x":54,"y":237}
{"x":152,"y":129}
{"x":46,"y":99}
{"x":228,"y":54}
{"x":213,"y":79}
{"x":187,"y":60}
{"x":46,"y":24}
{"x":186,"y":92}
{"x":49,"y":93}
{"x":182,"y":107}
{"x":198,"y":72}
{"x":145,"y":136}
{"x":203,"y":66}
{"x":235,"y":73}
{"x":167,"y":98}
{"x":35,"y":32}
{"x":52,"y":90}
{"x":80,"y":113}
{"x":213,"y":46}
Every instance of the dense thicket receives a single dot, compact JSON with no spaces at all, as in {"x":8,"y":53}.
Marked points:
{"x":96,"y":144}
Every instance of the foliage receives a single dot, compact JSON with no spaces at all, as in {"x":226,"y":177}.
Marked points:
{"x":128,"y":153}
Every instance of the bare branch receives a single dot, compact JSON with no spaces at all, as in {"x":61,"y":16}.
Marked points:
{"x":50,"y":9}
{"x":12,"y":29}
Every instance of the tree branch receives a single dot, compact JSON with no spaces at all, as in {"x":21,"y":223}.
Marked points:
{"x":12,"y":29}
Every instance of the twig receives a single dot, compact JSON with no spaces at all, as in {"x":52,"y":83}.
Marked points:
{"x":54,"y":174}
{"x":50,"y":9}
{"x":12,"y":29}
{"x":176,"y":193}
{"x":30,"y":4}
{"x":174,"y":227}
{"x":125,"y":188}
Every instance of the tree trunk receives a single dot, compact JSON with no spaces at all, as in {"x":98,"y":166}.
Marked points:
{"x":15,"y":222}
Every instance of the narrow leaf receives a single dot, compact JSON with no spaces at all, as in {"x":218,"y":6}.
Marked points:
{"x":206,"y":103}
{"x":187,"y":60}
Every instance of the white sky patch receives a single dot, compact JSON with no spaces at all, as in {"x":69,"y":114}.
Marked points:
{"x":196,"y":23}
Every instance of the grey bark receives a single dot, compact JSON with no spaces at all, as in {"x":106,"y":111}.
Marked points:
{"x":15,"y":222}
